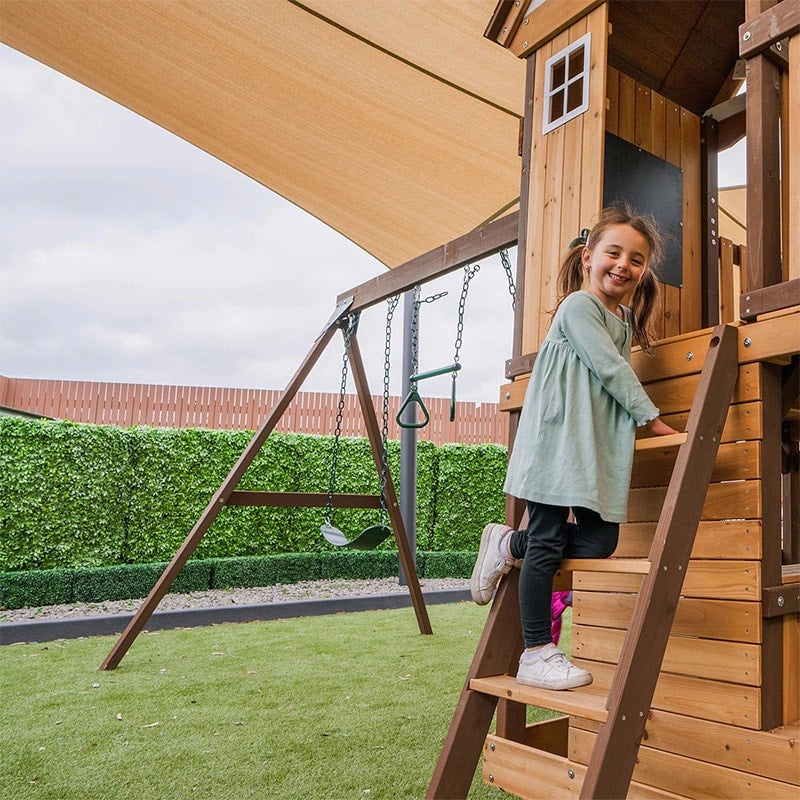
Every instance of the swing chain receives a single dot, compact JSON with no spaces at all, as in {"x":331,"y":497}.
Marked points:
{"x":512,"y":289}
{"x":349,"y":325}
{"x":387,"y":362}
{"x":469,"y":274}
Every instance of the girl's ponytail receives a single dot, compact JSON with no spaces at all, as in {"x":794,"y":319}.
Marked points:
{"x":643,"y":306}
{"x":570,"y":273}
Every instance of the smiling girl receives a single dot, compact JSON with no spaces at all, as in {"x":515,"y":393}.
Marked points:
{"x":574,"y":446}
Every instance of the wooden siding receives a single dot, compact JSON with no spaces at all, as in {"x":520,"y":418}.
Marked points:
{"x":128,"y":404}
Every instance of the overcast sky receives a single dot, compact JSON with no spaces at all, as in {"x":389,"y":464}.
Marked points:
{"x":129,"y":255}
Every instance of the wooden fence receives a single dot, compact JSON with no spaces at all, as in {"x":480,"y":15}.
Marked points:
{"x":127,"y":404}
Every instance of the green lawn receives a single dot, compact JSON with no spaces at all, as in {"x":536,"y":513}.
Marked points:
{"x":322,"y":708}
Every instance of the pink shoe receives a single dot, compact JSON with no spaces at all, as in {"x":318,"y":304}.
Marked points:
{"x":558,"y":604}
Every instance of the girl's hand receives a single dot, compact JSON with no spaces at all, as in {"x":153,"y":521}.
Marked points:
{"x":659,"y":428}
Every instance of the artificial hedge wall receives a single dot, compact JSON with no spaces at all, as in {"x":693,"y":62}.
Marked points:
{"x":97,"y":584}
{"x":75,"y":495}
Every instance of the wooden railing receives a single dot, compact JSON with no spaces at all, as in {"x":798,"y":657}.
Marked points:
{"x":128,"y":404}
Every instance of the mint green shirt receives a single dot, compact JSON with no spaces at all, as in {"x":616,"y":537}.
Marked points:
{"x":574,"y":443}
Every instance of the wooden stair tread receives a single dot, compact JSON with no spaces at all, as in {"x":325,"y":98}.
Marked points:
{"x":673,"y":441}
{"x":627,"y":566}
{"x":571,"y":701}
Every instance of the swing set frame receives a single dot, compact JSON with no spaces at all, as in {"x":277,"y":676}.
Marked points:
{"x":485,"y":241}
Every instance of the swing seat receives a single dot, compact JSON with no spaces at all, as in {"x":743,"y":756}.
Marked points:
{"x":368,"y":539}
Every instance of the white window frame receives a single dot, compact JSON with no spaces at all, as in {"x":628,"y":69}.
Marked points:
{"x":549,"y":90}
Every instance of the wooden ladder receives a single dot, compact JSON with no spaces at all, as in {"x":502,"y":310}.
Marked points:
{"x":490,"y":684}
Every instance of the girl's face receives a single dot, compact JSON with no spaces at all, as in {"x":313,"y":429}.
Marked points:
{"x":616,"y":264}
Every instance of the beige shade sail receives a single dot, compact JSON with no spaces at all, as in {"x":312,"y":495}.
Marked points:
{"x":396,"y":123}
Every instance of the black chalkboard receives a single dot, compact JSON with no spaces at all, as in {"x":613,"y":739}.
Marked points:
{"x":651,"y":186}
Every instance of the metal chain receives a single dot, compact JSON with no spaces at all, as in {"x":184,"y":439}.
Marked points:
{"x":415,"y":325}
{"x":387,"y":362}
{"x":351,"y":322}
{"x":469,"y":274}
{"x":512,"y":289}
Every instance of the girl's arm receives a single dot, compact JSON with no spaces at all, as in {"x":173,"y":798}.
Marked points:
{"x":583,"y":324}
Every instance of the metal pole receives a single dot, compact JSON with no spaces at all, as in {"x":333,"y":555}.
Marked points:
{"x":408,"y":438}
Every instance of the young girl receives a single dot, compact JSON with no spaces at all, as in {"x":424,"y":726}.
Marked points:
{"x":574,"y":445}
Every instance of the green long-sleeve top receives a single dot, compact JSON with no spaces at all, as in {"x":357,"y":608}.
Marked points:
{"x":574,"y":443}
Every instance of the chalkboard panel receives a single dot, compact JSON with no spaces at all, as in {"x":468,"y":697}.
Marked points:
{"x":651,"y":186}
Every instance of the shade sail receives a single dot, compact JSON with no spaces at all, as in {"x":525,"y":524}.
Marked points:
{"x":396,"y":123}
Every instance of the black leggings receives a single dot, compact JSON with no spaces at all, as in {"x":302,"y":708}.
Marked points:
{"x":548,"y":539}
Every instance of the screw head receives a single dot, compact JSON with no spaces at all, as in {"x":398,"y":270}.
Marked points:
{"x":747,"y":36}
{"x":491,"y":745}
{"x":491,"y":778}
{"x":781,"y":601}
{"x":747,"y":342}
{"x":689,"y":356}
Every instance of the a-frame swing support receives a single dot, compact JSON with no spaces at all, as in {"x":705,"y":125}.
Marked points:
{"x":480,"y":243}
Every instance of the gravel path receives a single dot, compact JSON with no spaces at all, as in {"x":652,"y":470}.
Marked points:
{"x":307,"y":590}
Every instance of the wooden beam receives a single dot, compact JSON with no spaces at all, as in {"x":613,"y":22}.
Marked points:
{"x":497,"y":653}
{"x":216,"y":504}
{"x":631,"y":694}
{"x":770,"y":26}
{"x":770,"y":298}
{"x":483,"y":242}
{"x":546,"y":21}
{"x":776,"y":601}
{"x":303,"y":500}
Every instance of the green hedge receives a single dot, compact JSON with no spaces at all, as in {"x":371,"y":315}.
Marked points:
{"x":469,"y":495}
{"x":55,"y":586}
{"x":74,"y":495}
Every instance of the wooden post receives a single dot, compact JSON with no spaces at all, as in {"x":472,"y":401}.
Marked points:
{"x":614,"y":755}
{"x":709,"y":199}
{"x":392,"y":505}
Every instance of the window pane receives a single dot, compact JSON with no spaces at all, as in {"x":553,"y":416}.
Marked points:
{"x":556,"y":105}
{"x":558,"y":76}
{"x":574,"y":94}
{"x":576,"y":63}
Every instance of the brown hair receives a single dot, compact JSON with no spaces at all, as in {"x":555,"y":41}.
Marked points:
{"x":645,"y":295}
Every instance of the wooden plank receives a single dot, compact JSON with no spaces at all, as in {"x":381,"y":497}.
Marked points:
{"x":627,"y":108}
{"x":673,"y":396}
{"x":643,"y":134}
{"x":482,"y":242}
{"x":534,"y":774}
{"x":689,"y":776}
{"x":732,"y":620}
{"x":612,"y":100}
{"x":730,"y":703}
{"x":546,"y":21}
{"x":778,"y":601}
{"x":727,"y":281}
{"x":743,"y":420}
{"x":740,"y":500}
{"x":792,"y":156}
{"x":713,"y":659}
{"x":617,"y":566}
{"x":714,"y":579}
{"x":691,"y":298}
{"x":550,"y":735}
{"x":770,"y":26}
{"x":791,"y":668}
{"x":738,"y":539}
{"x":735,"y":461}
{"x":709,"y":222}
{"x":770,"y":298}
{"x":302,"y":499}
{"x":769,"y":754}
{"x":571,"y":701}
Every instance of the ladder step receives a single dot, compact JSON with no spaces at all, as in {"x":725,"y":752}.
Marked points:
{"x":671,"y":442}
{"x":572,"y":701}
{"x":625,"y":566}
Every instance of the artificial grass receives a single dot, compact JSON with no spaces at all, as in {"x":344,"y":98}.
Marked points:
{"x":322,"y":708}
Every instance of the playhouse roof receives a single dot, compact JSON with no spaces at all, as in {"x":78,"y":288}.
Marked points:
{"x":395,"y":123}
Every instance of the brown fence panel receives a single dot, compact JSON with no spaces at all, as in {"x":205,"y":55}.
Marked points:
{"x":128,"y":404}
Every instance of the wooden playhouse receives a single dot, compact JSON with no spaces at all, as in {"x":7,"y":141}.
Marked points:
{"x":691,"y":629}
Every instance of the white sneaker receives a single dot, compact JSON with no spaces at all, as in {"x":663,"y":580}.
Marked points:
{"x":549,"y":668}
{"x":491,"y":564}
